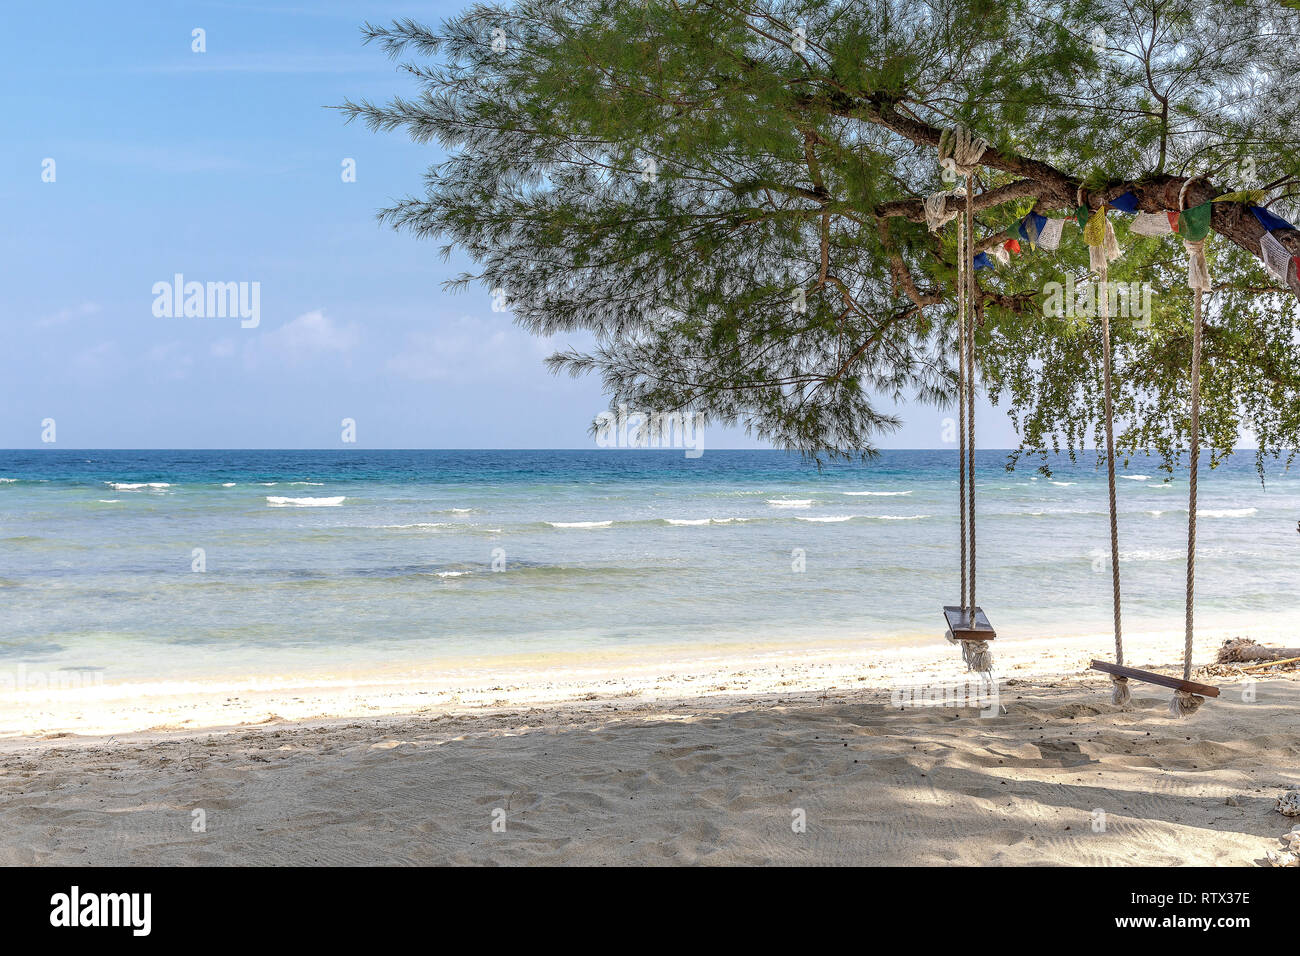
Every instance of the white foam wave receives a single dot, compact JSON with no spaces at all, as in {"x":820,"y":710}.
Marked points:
{"x":828,"y":518}
{"x":1137,"y":477}
{"x":580,"y":524}
{"x":879,"y":494}
{"x":1063,"y":484}
{"x":790,"y":502}
{"x":1225,"y":512}
{"x":899,"y":517}
{"x":136,"y":485}
{"x":277,"y":501}
{"x":451,"y":574}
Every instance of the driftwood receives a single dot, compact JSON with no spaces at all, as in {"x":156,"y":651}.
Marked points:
{"x":1285,"y":660}
{"x":1242,"y":650}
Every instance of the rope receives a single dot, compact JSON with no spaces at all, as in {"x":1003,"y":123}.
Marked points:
{"x":960,"y":151}
{"x":963,"y":265}
{"x":936,"y":211}
{"x":1198,"y":278}
{"x":970,"y":382}
{"x":1119,"y":685}
{"x":977,"y":655}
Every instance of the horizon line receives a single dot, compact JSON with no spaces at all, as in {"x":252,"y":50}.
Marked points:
{"x":596,"y":449}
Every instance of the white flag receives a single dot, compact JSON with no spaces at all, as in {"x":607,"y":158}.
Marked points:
{"x":1151,"y":224}
{"x":1049,"y":237}
{"x":1276,"y":258}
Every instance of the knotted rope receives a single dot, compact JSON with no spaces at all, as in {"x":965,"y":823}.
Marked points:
{"x":936,"y":211}
{"x":1119,"y":693}
{"x":1198,"y":278}
{"x":960,"y":151}
{"x":965,"y":158}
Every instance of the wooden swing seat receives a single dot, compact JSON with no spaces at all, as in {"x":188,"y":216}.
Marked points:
{"x":1177,"y":683}
{"x":964,"y":630}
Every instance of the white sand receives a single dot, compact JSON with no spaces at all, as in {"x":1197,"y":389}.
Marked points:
{"x":703,"y":759}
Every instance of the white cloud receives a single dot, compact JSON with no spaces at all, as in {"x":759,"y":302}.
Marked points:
{"x":67,"y":315}
{"x":309,"y":336}
{"x":469,"y":348}
{"x":173,"y":356}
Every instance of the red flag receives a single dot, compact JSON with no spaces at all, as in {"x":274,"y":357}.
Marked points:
{"x":1012,"y":245}
{"x":1173,"y":218}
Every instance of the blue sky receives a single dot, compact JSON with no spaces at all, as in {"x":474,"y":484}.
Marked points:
{"x":226,"y":166}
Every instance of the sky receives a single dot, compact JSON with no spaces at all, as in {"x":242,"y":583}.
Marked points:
{"x":129,"y":159}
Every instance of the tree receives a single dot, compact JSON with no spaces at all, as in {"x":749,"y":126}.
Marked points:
{"x":729,"y":197}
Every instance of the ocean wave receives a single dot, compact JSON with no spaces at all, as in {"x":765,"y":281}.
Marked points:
{"x":451,"y":574}
{"x":878,"y":494}
{"x":110,"y":501}
{"x":403,"y":527}
{"x":136,"y":485}
{"x":899,"y":517}
{"x":277,"y":501}
{"x":1210,"y":512}
{"x":701,"y":521}
{"x":306,"y":482}
{"x":828,"y":519}
{"x":8,"y":481}
{"x":1063,"y":484}
{"x":580,"y":524}
{"x":227,"y":484}
{"x":790,"y":502}
{"x":1136,"y":477}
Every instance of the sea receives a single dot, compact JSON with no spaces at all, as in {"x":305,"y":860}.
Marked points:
{"x":180,"y":565}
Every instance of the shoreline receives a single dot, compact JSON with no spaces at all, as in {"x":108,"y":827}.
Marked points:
{"x":617,"y":678}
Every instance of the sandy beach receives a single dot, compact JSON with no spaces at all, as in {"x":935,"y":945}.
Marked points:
{"x":785,"y":757}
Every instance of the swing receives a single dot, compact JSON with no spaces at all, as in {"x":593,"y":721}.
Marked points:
{"x":1188,"y":694}
{"x":967,"y":623}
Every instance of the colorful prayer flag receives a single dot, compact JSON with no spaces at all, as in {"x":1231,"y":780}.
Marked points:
{"x":1276,"y":258}
{"x":1049,"y":236}
{"x":1151,"y":224}
{"x":1268,"y":220}
{"x":1194,"y":223}
{"x":1126,"y":202}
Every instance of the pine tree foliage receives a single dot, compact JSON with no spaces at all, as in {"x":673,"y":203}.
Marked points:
{"x":727,"y":197}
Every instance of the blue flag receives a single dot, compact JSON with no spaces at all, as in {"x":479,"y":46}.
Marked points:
{"x":1268,"y":220}
{"x":1126,"y":202}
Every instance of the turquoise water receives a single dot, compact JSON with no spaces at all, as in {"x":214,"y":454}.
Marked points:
{"x":314,"y":559}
